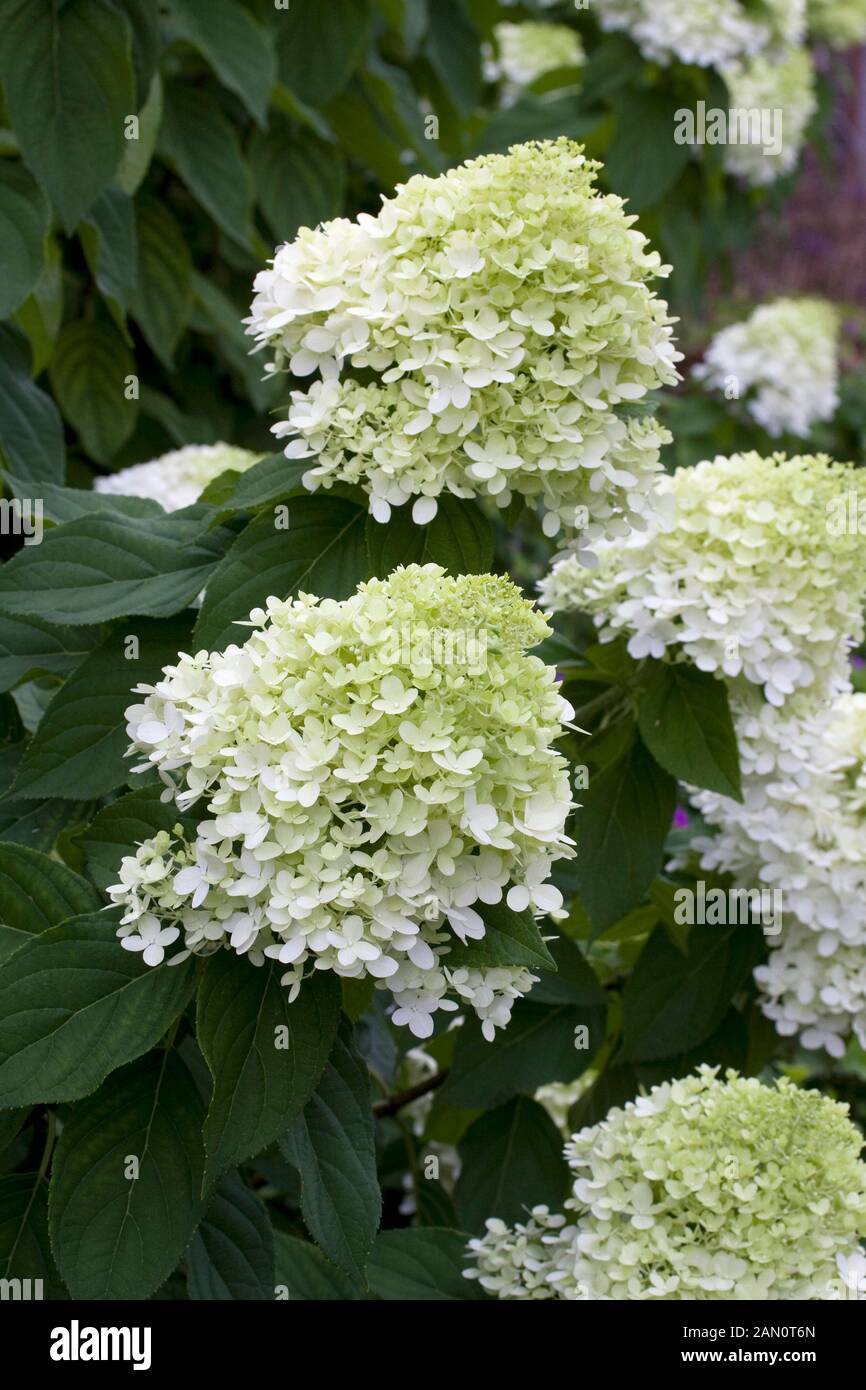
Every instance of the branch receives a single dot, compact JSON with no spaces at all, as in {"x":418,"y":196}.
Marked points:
{"x":392,"y":1104}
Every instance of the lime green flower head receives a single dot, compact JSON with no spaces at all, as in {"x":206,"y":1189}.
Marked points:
{"x":528,"y":51}
{"x":364,"y":774}
{"x":702,"y":1189}
{"x":484,"y":334}
{"x":757,"y":574}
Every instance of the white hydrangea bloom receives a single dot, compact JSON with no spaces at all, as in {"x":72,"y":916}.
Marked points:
{"x":500,"y":317}
{"x":711,"y":33}
{"x":177,"y":479}
{"x":841,"y":23}
{"x":745,"y":578}
{"x":363,"y":791}
{"x":785,"y":85}
{"x":802,"y":830}
{"x":702,"y":1189}
{"x":782,"y":361}
{"x":524,"y":52}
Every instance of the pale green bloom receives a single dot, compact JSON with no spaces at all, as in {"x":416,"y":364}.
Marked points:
{"x":783,"y":85}
{"x":527,"y":51}
{"x":364,"y":774}
{"x":711,"y":33}
{"x":176,"y":480}
{"x":841,"y":23}
{"x":748,"y":577}
{"x":702,"y":1189}
{"x":479,"y":336}
{"x":782,"y":361}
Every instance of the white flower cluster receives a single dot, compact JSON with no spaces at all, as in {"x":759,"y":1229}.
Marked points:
{"x":177,"y":479}
{"x":744,"y":577}
{"x":711,"y":33}
{"x":841,"y":23}
{"x":364,"y":794}
{"x":753,"y":581}
{"x":802,"y":829}
{"x":782,"y":361}
{"x":524,"y":52}
{"x":479,"y":337}
{"x":768,"y":84}
{"x":702,"y":1189}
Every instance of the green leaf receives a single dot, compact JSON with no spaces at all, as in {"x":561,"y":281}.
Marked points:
{"x":685,"y":721}
{"x":119,"y":828}
{"x":78,"y":750}
{"x":11,"y":1124}
{"x":41,"y":315}
{"x":233,"y":344}
{"x":30,"y":646}
{"x":240,"y":51}
{"x":68,"y":503}
{"x":673,"y":1002}
{"x":162,"y":301}
{"x":139,"y":152}
{"x":74,"y":1005}
{"x":23,"y":227}
{"x":511,"y":1161}
{"x":459,"y":538}
{"x":232,"y":1252}
{"x":425,"y":1265}
{"x":265,"y":1055}
{"x":69,"y":82}
{"x":538,"y":1046}
{"x":267,"y":482}
{"x":299,"y":182}
{"x":332,"y":1145}
{"x":88,"y":374}
{"x":126,"y":1181}
{"x":109,"y":241}
{"x":644,"y":161}
{"x":111,"y":566}
{"x":201,"y":141}
{"x":624,"y":821}
{"x":304,"y":1275}
{"x":454,"y":51}
{"x":321,"y":552}
{"x":37,"y":893}
{"x":510,"y":938}
{"x":320,"y":46}
{"x":25,"y":1252}
{"x":144,"y":22}
{"x":31,"y":431}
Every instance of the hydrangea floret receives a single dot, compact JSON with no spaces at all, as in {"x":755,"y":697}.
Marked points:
{"x":487,"y":333}
{"x":747,"y":577}
{"x":177,"y":479}
{"x":782,"y":362}
{"x":710,"y":33}
{"x":702,"y":1189}
{"x":369,"y":773}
